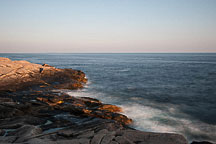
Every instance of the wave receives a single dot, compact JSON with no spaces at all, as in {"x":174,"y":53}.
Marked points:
{"x":148,"y":118}
{"x":124,"y":70}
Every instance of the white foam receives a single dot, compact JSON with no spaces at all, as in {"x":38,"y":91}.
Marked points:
{"x":125,"y":70}
{"x":147,"y":118}
{"x":143,"y":118}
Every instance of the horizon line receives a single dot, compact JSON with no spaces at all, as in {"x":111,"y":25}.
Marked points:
{"x":108,"y":53}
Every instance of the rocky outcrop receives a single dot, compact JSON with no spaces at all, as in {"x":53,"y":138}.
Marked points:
{"x":19,"y":75}
{"x":30,"y":112}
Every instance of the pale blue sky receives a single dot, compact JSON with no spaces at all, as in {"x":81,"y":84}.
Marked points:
{"x":107,"y":26}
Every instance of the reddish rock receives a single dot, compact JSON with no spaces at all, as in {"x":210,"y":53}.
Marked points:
{"x":18,"y":75}
{"x":111,"y":108}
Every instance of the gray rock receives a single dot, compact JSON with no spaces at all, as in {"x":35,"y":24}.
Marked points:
{"x":9,"y":139}
{"x":113,"y":142}
{"x":87,"y":134}
{"x":73,"y":141}
{"x":2,"y":132}
{"x":97,"y":138}
{"x":6,"y":111}
{"x":153,"y":138}
{"x":40,"y":141}
{"x":66,"y":132}
{"x":84,"y":141}
{"x":108,"y":138}
{"x":25,"y":132}
{"x":201,"y":142}
{"x":123,"y":140}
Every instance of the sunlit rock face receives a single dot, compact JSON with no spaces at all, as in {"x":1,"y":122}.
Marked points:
{"x":17,"y":75}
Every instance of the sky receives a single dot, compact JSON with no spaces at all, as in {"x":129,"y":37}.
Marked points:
{"x":107,"y":26}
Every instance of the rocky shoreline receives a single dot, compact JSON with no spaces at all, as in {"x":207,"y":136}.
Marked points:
{"x":33,"y":111}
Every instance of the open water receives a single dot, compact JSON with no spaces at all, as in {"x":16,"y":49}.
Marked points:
{"x":174,"y":93}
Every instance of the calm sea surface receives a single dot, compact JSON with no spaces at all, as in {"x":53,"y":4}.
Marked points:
{"x":160,"y":92}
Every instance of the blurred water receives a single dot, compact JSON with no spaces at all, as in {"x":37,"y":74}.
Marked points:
{"x":160,"y":92}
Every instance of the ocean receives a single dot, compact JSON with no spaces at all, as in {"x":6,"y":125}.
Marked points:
{"x":172,"y":93}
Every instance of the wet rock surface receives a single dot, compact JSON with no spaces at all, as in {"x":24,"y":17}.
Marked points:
{"x":31,"y":112}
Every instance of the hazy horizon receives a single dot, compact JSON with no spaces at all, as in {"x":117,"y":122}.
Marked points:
{"x":106,"y":52}
{"x":115,"y":26}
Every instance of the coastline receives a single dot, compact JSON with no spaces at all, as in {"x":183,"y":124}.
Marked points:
{"x":63,"y":118}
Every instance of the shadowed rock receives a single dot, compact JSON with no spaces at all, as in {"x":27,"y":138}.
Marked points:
{"x":202,"y":142}
{"x":2,"y":132}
